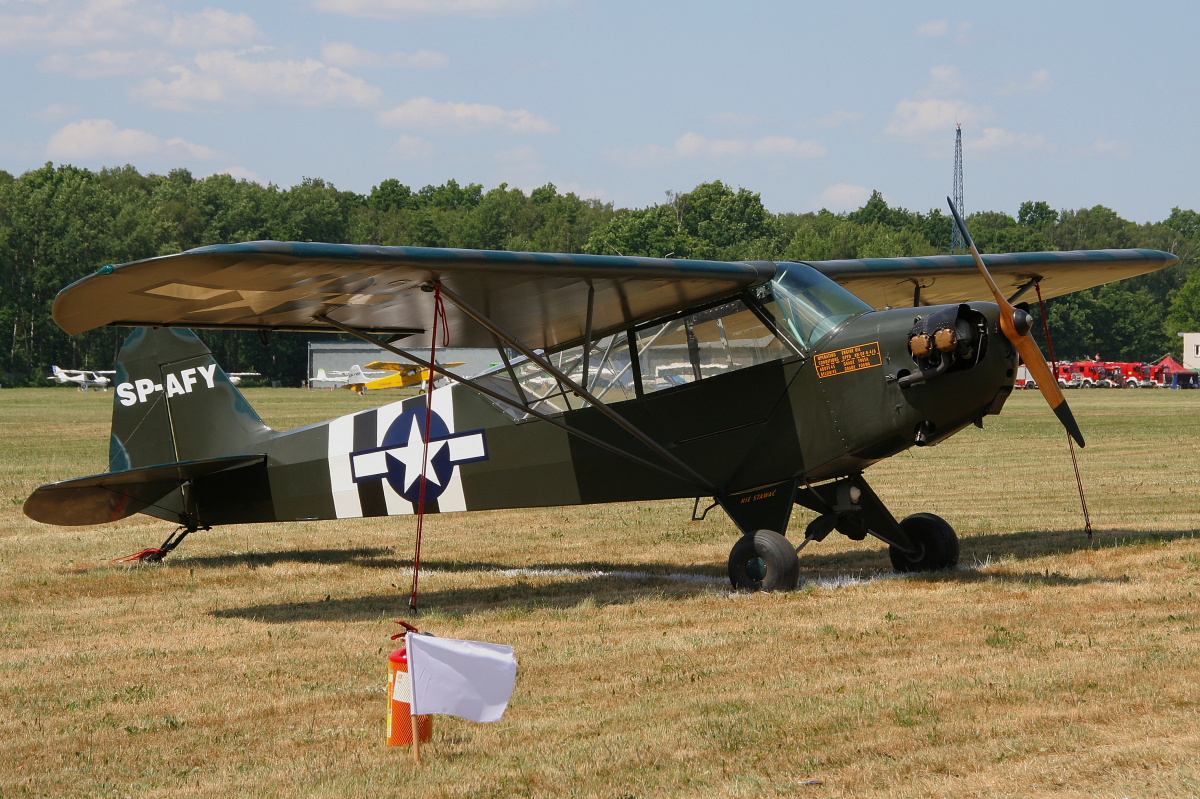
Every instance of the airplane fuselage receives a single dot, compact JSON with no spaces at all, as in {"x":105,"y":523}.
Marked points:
{"x":828,"y":413}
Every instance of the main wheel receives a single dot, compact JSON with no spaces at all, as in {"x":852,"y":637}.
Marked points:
{"x":764,"y":561}
{"x":936,"y":540}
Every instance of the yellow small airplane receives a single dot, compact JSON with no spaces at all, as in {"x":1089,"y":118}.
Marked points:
{"x":399,"y":375}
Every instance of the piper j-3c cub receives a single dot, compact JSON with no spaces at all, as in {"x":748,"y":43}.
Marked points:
{"x":758,"y":384}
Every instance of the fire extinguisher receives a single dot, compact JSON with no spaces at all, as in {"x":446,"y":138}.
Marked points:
{"x":399,"y":721}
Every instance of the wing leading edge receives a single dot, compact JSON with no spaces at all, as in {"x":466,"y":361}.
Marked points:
{"x":541,"y":298}
{"x":945,"y":279}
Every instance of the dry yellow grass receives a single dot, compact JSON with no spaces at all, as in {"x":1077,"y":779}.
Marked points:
{"x":253,"y":661}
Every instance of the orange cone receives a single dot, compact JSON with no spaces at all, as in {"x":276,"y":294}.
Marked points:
{"x":399,"y":718}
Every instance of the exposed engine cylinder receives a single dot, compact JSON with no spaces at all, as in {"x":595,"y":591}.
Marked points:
{"x":949,"y":339}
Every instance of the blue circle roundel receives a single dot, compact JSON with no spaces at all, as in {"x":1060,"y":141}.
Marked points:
{"x":406,"y":454}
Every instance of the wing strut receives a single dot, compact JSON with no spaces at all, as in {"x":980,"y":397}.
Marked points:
{"x":620,"y":421}
{"x":521,"y":406}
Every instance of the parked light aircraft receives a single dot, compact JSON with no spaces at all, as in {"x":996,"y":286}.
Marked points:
{"x":379,"y":375}
{"x":83,"y":378}
{"x":760,"y":385}
{"x":236,"y":377}
{"x":351,"y":378}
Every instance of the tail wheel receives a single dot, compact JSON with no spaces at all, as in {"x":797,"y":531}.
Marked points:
{"x":936,"y":541}
{"x":764,"y":561}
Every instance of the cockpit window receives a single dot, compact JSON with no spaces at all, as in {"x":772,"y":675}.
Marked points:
{"x":809,"y":305}
{"x":714,"y":341}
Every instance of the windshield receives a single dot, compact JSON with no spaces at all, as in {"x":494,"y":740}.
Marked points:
{"x":811,"y":304}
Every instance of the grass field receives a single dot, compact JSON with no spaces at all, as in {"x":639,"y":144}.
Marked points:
{"x":252,"y":663}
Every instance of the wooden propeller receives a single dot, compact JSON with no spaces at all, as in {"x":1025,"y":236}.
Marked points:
{"x":1016,"y":325}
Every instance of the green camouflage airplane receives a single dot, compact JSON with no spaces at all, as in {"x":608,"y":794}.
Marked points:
{"x":758,"y":384}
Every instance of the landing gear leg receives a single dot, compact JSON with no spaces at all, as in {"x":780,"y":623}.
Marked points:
{"x":156,"y":554}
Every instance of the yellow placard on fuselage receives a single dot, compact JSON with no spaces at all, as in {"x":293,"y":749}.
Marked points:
{"x":850,"y":359}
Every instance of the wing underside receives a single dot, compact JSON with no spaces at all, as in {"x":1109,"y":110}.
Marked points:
{"x":542,"y":299}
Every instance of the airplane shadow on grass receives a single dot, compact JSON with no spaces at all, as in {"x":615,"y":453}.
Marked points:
{"x":567,"y":585}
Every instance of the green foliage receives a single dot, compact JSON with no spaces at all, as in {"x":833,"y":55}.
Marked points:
{"x":1184,"y":316}
{"x":710,"y":222}
{"x":58,"y":224}
{"x":1114,"y":321}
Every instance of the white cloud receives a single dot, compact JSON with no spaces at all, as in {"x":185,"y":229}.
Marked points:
{"x":842,"y":197}
{"x":90,"y":139}
{"x":55,"y":112}
{"x":944,"y":80}
{"x":88,"y":23}
{"x":937,"y":28}
{"x":411,"y":148}
{"x":105,"y":63}
{"x":388,"y":9}
{"x":915,"y":119}
{"x":933,"y":28}
{"x":1038,"y":83}
{"x":693,"y":146}
{"x":935,"y":110}
{"x":223,"y":76}
{"x":75,"y":24}
{"x":995,"y":139}
{"x":211,"y":28}
{"x":344,"y":54}
{"x":426,"y":114}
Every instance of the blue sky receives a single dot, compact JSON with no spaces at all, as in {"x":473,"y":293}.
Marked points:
{"x":811,"y":104}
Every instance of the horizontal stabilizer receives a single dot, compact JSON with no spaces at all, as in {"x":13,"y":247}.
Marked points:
{"x":107,"y":497}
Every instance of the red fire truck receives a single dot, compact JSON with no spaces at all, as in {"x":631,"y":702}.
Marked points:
{"x":1137,"y":375}
{"x":1089,"y":374}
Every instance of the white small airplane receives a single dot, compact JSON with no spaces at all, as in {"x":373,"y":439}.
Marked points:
{"x":236,"y":377}
{"x":355,"y":379}
{"x":84,"y":378}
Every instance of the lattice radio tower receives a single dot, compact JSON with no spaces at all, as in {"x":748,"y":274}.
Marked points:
{"x":956,"y":240}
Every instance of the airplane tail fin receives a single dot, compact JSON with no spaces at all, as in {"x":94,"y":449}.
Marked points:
{"x":174,"y":403}
{"x":185,"y":445}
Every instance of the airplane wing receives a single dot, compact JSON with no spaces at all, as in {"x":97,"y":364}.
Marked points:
{"x":945,"y":279}
{"x":540,"y":298}
{"x":390,"y":366}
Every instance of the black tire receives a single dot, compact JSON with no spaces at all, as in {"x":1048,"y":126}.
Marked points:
{"x":936,"y":539}
{"x":764,"y":561}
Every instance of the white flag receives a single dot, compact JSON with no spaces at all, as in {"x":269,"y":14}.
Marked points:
{"x":468,"y":679}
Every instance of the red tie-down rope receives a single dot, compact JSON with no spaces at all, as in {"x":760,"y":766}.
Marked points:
{"x":1087,"y":519}
{"x":439,"y":322}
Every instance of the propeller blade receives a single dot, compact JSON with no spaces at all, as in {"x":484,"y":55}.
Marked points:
{"x":1028,"y":349}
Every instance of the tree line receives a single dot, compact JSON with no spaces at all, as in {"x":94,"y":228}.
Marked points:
{"x":60,"y":223}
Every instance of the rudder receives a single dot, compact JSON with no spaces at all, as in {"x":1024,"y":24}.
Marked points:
{"x":174,"y":403}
